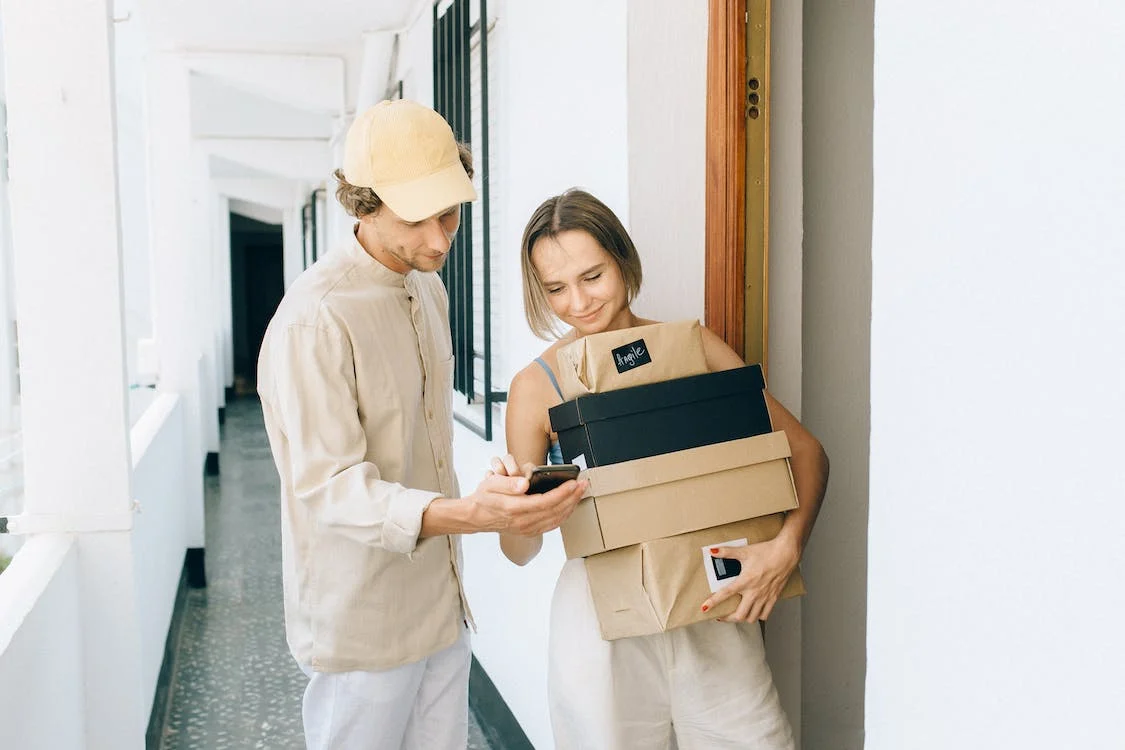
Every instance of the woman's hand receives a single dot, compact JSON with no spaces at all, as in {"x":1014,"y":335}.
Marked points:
{"x":766,"y":567}
{"x":519,"y":547}
{"x":506,"y":466}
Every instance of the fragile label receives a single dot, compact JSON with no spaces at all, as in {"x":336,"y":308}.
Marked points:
{"x":631,"y":356}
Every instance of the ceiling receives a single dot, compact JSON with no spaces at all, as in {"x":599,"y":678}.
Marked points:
{"x":321,"y":27}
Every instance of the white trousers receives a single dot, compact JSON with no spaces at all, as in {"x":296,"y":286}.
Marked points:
{"x":702,"y":686}
{"x":419,"y":706}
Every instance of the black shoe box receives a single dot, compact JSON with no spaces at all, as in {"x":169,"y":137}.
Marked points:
{"x":674,"y":415}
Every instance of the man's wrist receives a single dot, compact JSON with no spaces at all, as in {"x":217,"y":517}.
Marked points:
{"x":444,"y":516}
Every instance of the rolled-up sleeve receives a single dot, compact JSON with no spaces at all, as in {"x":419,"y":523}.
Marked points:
{"x":316,"y":403}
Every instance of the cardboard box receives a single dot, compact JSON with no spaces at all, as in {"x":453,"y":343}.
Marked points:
{"x":630,"y":357}
{"x":649,"y":420}
{"x":661,"y":584}
{"x":660,"y":496}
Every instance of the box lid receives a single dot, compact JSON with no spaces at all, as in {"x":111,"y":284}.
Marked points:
{"x":614,"y":404}
{"x":693,"y":462}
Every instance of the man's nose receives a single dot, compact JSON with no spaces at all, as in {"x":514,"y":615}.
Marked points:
{"x":437,"y":239}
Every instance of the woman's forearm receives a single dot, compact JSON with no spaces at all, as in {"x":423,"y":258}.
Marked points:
{"x":810,"y":477}
{"x":521,"y":549}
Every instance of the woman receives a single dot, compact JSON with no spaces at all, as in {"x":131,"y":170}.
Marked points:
{"x":704,"y":685}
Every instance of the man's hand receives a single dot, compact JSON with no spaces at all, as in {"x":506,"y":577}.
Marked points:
{"x":766,"y":567}
{"x":499,"y":502}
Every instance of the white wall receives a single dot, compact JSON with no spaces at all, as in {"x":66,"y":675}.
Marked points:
{"x":416,"y":58}
{"x":835,"y":406}
{"x":998,"y":255}
{"x":563,"y":101}
{"x":667,"y":102}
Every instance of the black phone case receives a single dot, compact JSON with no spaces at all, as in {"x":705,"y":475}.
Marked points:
{"x":540,"y":483}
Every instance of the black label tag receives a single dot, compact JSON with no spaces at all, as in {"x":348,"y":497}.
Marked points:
{"x":726,"y":568}
{"x":631,"y":356}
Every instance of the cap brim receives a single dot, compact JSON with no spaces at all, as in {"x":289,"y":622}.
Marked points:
{"x":430,"y":195}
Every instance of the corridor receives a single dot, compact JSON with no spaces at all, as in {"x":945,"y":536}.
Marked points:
{"x":234,"y":683}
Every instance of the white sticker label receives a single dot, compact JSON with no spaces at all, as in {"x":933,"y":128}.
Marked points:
{"x":580,"y":462}
{"x":721,"y":570}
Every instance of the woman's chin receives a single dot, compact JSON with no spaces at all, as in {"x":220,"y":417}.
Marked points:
{"x":587,"y":328}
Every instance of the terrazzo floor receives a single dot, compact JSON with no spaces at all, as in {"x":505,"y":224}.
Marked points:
{"x":234,"y":684}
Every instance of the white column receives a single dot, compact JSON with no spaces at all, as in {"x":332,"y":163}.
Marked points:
{"x":292,"y":236}
{"x":72,"y":345}
{"x":175,"y":286}
{"x":337,"y":222}
{"x":207,"y":309}
{"x":8,"y":394}
{"x":222,"y":287}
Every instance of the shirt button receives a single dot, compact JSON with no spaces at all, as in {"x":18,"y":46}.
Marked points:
{"x":440,"y":464}
{"x":430,"y":414}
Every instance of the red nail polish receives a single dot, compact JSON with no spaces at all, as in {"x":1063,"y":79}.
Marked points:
{"x":714,"y":550}
{"x":705,"y":608}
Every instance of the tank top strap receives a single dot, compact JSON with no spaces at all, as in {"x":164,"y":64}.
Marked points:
{"x":551,"y":375}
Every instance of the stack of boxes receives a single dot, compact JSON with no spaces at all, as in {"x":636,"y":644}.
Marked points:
{"x":679,"y":460}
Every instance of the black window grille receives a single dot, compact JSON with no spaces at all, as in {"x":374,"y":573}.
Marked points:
{"x":454,"y":94}
{"x":310,"y":229}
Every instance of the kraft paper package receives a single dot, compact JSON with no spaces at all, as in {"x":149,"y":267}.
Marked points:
{"x":655,"y":586}
{"x":629,"y":357}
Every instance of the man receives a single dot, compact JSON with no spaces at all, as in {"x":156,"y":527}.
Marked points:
{"x":355,"y":376}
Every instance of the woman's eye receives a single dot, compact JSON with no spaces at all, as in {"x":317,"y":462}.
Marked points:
{"x":595,"y":277}
{"x":554,"y":290}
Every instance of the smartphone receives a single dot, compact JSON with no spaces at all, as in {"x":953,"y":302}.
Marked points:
{"x":547,"y":478}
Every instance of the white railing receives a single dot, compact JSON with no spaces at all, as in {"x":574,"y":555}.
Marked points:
{"x":159,"y":539}
{"x":11,"y":486}
{"x":42,"y":699}
{"x":41,"y":687}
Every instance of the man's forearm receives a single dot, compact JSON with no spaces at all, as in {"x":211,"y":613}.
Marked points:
{"x":450,"y":516}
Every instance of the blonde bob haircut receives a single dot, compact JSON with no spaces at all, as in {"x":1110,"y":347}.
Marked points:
{"x":574,"y":210}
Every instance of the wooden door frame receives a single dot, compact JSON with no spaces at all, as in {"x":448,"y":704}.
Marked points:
{"x":733,"y":194}
{"x":725,"y":226}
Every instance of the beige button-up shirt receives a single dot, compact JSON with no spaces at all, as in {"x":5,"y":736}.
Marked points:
{"x":355,"y":376}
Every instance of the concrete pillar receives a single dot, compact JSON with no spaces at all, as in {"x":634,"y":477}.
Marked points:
{"x":175,"y":270}
{"x":68,"y":288}
{"x":207,"y":311}
{"x":291,"y":247}
{"x":293,"y":236}
{"x":223,"y":289}
{"x":337,"y":222}
{"x":9,"y":413}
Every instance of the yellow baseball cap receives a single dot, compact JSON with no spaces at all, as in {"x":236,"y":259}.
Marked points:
{"x":407,"y":154}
